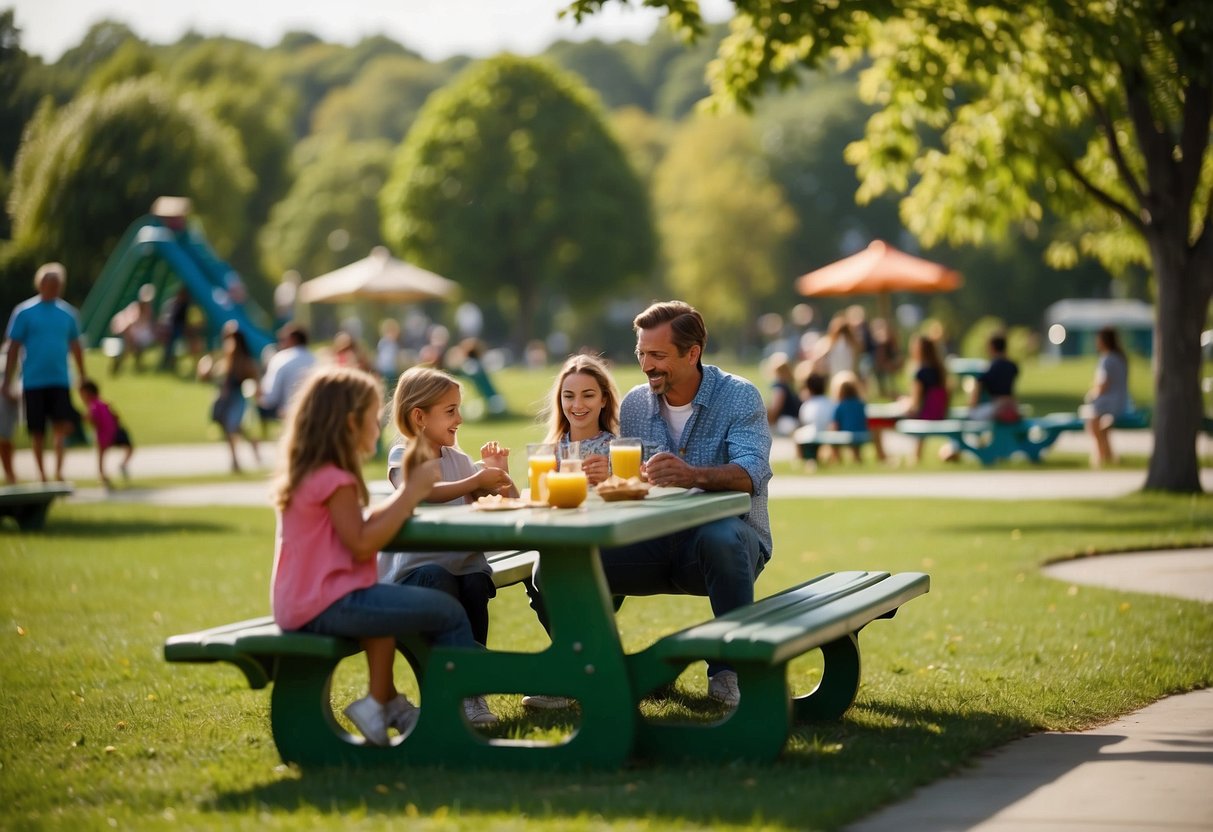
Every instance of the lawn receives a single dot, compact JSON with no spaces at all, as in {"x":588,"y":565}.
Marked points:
{"x":99,"y":731}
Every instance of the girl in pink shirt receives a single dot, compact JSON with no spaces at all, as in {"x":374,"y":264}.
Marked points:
{"x":109,"y":430}
{"x":324,"y":578}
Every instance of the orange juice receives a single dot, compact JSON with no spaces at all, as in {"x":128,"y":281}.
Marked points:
{"x":567,"y":489}
{"x":625,"y":460}
{"x":537,"y":466}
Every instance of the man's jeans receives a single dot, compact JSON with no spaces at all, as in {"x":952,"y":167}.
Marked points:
{"x":721,"y":560}
{"x":473,"y":591}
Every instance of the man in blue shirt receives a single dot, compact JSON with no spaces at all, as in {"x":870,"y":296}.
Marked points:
{"x":705,"y":429}
{"x":43,"y":330}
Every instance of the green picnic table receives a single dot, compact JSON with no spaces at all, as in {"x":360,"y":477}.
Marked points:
{"x":586,"y":660}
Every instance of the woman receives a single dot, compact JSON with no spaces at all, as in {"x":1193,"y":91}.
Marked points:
{"x":1108,"y":396}
{"x":929,"y":387}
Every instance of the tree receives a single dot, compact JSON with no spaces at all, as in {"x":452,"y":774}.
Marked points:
{"x":605,"y":68}
{"x":511,"y":184}
{"x":1096,"y":113}
{"x":85,"y":172}
{"x":330,"y":217}
{"x":723,"y":221}
{"x":381,"y":103}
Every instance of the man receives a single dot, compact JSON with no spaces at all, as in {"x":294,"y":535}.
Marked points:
{"x":42,"y":331}
{"x":714,"y":426}
{"x":284,"y":371}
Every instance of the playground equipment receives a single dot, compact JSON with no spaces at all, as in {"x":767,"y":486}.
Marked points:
{"x":165,"y":250}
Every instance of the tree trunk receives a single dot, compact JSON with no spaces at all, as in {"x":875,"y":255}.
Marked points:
{"x":1183,"y":304}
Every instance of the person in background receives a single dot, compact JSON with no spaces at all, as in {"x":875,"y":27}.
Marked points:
{"x":236,"y":366}
{"x":993,"y":397}
{"x":817,"y":413}
{"x":109,"y":430}
{"x":324,"y":577}
{"x":425,"y":410}
{"x":136,"y":326}
{"x":347,"y":352}
{"x":42,"y":332}
{"x":887,"y":359}
{"x":928,"y":397}
{"x":285,"y":372}
{"x":1108,"y":396}
{"x":9,"y":412}
{"x":583,"y":406}
{"x":850,"y":411}
{"x":838,"y":350}
{"x":176,"y":315}
{"x":783,"y":409}
{"x":387,"y":351}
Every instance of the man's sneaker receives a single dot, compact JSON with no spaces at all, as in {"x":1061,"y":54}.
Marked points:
{"x":478,"y":712}
{"x":401,"y":714}
{"x":367,"y":714}
{"x":723,"y":688}
{"x":547,"y":703}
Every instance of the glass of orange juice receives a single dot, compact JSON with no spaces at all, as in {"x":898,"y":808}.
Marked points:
{"x":566,"y":489}
{"x":540,"y":460}
{"x":625,"y":457}
{"x":570,"y":456}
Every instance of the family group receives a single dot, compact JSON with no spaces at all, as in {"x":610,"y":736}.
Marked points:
{"x":331,"y":577}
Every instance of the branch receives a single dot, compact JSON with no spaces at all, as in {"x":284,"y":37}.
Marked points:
{"x":1155,"y":143}
{"x":1103,"y":197}
{"x":1118,"y":156}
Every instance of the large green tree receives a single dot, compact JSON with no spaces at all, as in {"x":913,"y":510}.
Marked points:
{"x":511,"y":184}
{"x":993,"y":114}
{"x":85,"y":172}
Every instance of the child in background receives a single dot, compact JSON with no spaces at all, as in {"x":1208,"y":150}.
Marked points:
{"x":109,"y":430}
{"x":817,"y":412}
{"x":850,"y":411}
{"x":324,"y":579}
{"x":426,"y":411}
{"x":583,"y":406}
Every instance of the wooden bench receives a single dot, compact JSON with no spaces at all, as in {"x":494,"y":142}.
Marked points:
{"x":28,"y":503}
{"x":809,"y":439}
{"x":758,"y":641}
{"x":302,"y":663}
{"x":1062,"y":422}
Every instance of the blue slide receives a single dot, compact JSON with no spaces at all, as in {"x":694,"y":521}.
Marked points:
{"x":151,"y":252}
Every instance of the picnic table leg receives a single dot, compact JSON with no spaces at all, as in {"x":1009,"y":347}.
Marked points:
{"x":31,"y":517}
{"x":755,"y":732}
{"x":585,"y":662}
{"x":839,"y":683}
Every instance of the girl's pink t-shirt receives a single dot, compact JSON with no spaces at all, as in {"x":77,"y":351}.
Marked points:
{"x":312,"y":567}
{"x":105,"y":423}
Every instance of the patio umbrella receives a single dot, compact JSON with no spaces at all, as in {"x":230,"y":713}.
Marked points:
{"x":377,"y":277}
{"x":878,"y":270}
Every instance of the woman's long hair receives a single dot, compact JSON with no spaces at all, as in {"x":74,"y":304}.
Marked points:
{"x":319,"y":430}
{"x":553,"y":414}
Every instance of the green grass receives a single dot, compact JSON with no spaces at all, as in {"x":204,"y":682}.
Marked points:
{"x":99,"y":731}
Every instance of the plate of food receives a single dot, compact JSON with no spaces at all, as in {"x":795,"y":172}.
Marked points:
{"x":496,"y":502}
{"x":616,"y":489}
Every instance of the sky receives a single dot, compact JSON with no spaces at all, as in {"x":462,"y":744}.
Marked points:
{"x":436,"y":29}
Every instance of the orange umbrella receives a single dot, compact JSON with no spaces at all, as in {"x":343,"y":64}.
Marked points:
{"x":878,"y":270}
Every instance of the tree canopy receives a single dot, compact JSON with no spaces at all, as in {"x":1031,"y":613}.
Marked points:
{"x":511,"y":184}
{"x":85,"y":172}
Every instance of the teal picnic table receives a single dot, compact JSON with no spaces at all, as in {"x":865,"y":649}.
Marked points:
{"x":585,"y":661}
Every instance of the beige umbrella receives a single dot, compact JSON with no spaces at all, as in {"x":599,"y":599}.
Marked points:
{"x":878,"y":270}
{"x":377,"y":277}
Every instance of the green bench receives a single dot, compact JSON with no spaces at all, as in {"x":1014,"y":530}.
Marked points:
{"x":808,"y":440}
{"x":301,"y":664}
{"x":28,"y":503}
{"x":758,"y":641}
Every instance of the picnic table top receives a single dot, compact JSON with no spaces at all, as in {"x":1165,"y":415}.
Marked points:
{"x":595,"y":523}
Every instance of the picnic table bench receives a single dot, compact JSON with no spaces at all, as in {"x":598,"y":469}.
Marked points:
{"x":586,"y":660}
{"x":809,"y":439}
{"x":28,"y":503}
{"x":992,"y":441}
